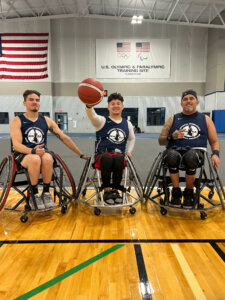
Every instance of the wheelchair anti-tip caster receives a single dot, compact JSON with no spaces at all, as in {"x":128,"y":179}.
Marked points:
{"x":132,"y":210}
{"x":97,"y":211}
{"x":163,"y":211}
{"x":203,"y":215}
{"x":24,"y":218}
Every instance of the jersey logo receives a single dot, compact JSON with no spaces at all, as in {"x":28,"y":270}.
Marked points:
{"x":192,"y":131}
{"x":116,"y":135}
{"x":34,"y":135}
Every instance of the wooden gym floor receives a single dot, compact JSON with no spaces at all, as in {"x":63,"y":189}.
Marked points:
{"x":112,"y":256}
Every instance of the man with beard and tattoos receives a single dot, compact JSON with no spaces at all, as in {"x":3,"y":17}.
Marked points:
{"x":185,"y":135}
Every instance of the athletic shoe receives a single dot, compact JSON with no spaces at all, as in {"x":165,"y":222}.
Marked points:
{"x":108,"y":198}
{"x":117,"y":198}
{"x":188,"y":198}
{"x":176,"y":197}
{"x":47,"y":199}
{"x":39,"y":202}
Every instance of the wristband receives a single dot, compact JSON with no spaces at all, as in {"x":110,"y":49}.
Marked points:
{"x":169,"y":138}
{"x":33,"y":151}
{"x":82,"y":155}
{"x":216,"y":152}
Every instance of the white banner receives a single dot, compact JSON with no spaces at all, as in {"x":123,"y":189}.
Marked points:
{"x":145,"y":58}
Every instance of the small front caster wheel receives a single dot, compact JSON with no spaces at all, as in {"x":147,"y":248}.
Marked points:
{"x":64,"y":209}
{"x":132,"y":210}
{"x":210,"y":195}
{"x":84,"y":192}
{"x":97,"y":211}
{"x":24,"y":219}
{"x":163,"y":211}
{"x":203,"y":215}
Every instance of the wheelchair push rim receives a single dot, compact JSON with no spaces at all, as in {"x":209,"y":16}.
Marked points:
{"x":6,"y":178}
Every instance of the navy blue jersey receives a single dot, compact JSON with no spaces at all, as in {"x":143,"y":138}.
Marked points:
{"x":196,"y":132}
{"x":112,"y":136}
{"x":34,"y":133}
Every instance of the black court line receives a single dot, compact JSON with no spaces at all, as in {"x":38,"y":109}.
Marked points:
{"x":118,"y":241}
{"x":218,"y":250}
{"x":145,"y":287}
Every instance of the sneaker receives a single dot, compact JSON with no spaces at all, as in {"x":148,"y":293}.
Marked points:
{"x":47,"y":199}
{"x":188,"y":198}
{"x":39,"y":202}
{"x":108,"y":198}
{"x":117,"y":198}
{"x":176,"y":197}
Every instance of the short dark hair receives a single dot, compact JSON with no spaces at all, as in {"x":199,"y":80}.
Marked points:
{"x":189,"y":92}
{"x":29,"y":92}
{"x":115,"y":96}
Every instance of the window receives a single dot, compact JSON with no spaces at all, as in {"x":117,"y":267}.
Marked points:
{"x":4,"y":118}
{"x":156,"y":116}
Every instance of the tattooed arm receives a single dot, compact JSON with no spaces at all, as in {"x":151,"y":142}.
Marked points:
{"x":54,"y":129}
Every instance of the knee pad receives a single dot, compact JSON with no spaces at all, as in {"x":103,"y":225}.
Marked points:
{"x":173,"y":159}
{"x":191,"y":161}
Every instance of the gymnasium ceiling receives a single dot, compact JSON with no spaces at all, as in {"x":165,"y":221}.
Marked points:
{"x":203,"y":13}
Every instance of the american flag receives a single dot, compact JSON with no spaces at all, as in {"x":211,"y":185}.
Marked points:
{"x":143,"y":47}
{"x":123,"y":47}
{"x":23,"y":55}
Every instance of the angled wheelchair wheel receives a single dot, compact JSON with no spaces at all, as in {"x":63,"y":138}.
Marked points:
{"x":64,"y":183}
{"x":135,"y":179}
{"x":149,"y":184}
{"x":81,"y":186}
{"x":6,"y":178}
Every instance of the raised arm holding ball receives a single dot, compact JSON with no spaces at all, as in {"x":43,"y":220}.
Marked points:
{"x":114,"y":138}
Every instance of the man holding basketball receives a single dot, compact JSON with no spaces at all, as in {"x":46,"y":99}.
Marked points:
{"x":114,"y":138}
{"x":28,"y":132}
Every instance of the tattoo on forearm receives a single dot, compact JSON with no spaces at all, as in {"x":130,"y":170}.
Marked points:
{"x":56,"y":134}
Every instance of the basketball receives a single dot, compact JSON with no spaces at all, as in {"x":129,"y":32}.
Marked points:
{"x":90,"y":91}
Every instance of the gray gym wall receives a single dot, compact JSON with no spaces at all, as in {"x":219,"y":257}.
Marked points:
{"x":196,"y":58}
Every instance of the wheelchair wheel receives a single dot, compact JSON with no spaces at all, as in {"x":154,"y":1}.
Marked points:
{"x":134,"y":177}
{"x":64,"y":182}
{"x":6,"y":178}
{"x":149,"y":181}
{"x":83,"y":179}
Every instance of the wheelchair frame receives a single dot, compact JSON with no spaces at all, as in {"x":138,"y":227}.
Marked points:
{"x":158,"y":179}
{"x":91,"y":177}
{"x":12,"y":179}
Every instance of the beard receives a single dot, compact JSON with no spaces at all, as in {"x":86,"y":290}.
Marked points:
{"x":34,"y":110}
{"x":188,"y":109}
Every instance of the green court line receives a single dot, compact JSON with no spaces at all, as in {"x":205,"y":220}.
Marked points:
{"x":68,"y":273}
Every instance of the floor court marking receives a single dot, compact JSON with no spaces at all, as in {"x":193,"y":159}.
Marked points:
{"x":218,"y":250}
{"x":193,"y":283}
{"x":145,"y":287}
{"x":66,"y":274}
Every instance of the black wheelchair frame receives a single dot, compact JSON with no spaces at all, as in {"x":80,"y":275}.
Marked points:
{"x":158,"y":184}
{"x":91,"y":177}
{"x":62,"y":183}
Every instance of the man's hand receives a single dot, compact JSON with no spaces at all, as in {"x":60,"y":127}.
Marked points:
{"x":39,"y":150}
{"x":215,"y":161}
{"x":178,"y":134}
{"x":129,"y":154}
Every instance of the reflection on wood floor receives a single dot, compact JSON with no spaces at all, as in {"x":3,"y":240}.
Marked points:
{"x":116,"y":255}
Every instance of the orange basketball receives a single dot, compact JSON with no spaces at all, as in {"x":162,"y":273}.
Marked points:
{"x":90,"y":91}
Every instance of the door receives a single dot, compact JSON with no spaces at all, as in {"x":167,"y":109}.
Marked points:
{"x":61,"y":120}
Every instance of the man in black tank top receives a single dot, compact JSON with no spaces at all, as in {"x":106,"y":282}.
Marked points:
{"x":29,"y":145}
{"x":185,"y":135}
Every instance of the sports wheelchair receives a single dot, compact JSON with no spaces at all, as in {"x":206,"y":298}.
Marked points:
{"x":17,"y":179}
{"x":158,"y":186}
{"x":91,"y":178}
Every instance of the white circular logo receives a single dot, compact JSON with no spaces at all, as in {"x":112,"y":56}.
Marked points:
{"x":34,"y":135}
{"x":116,"y":135}
{"x":192,"y":131}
